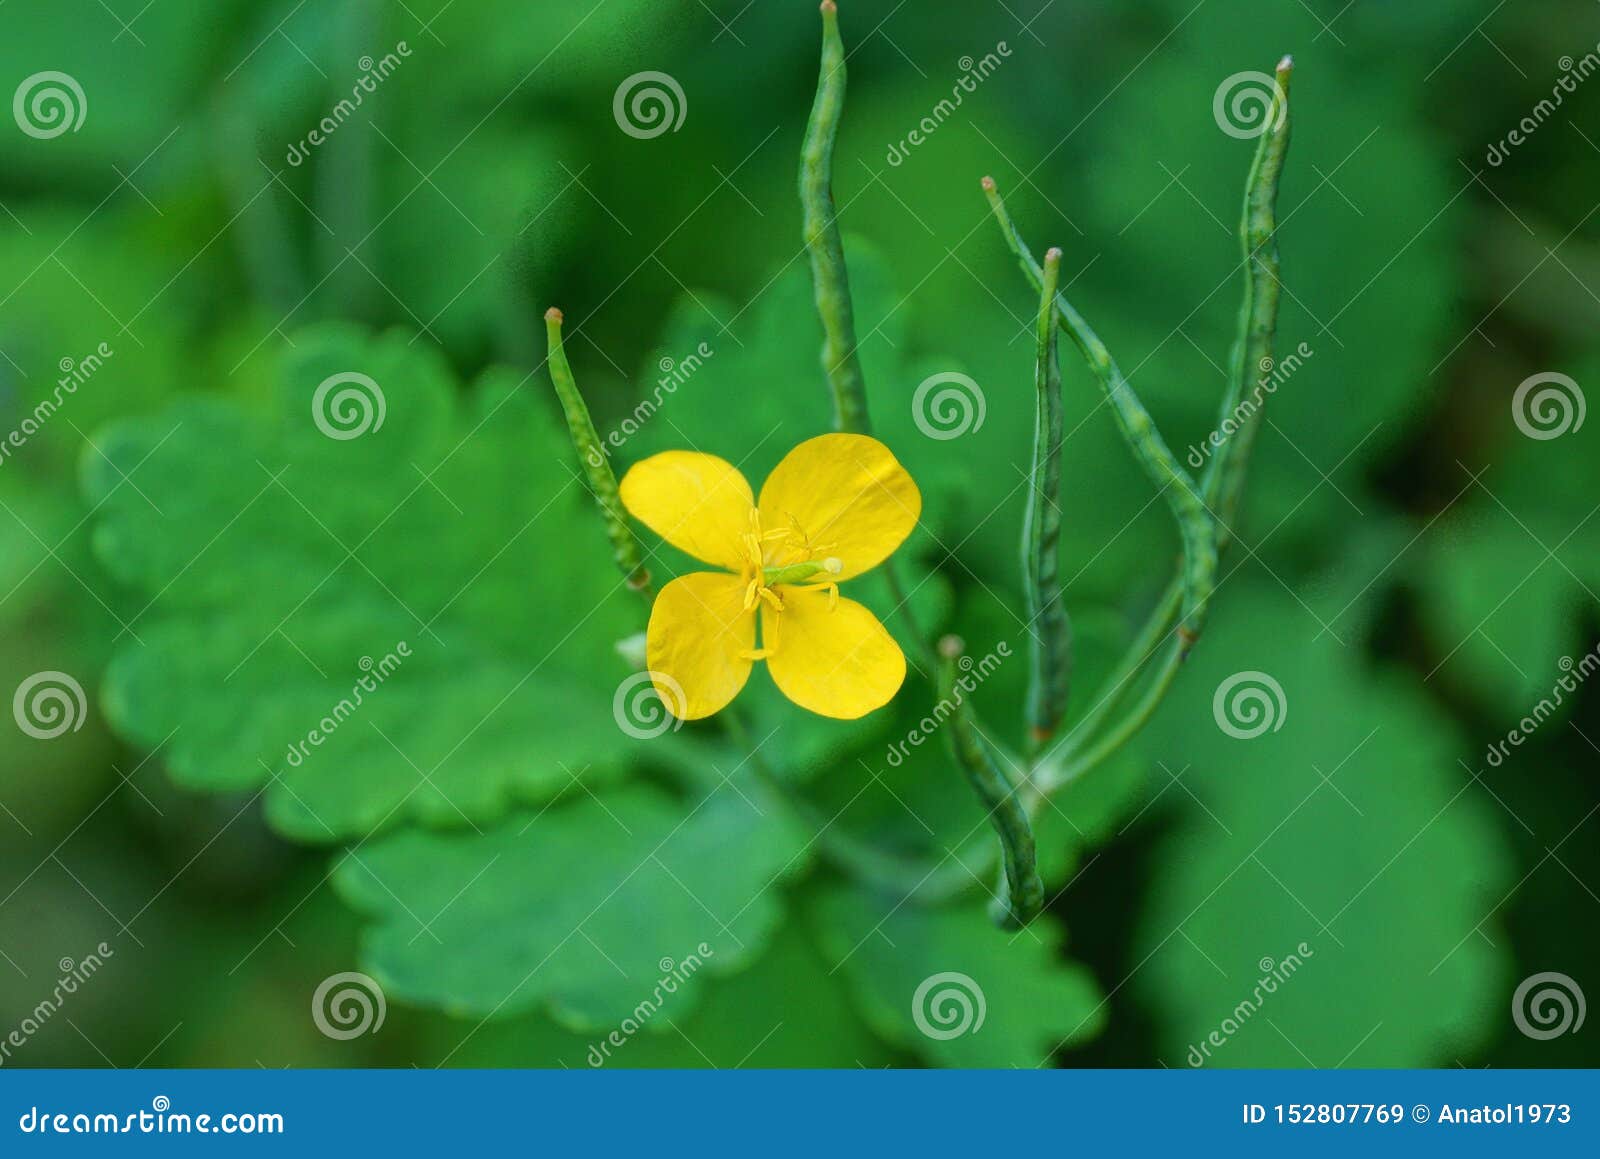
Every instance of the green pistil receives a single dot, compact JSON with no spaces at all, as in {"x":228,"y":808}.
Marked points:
{"x":799,"y":572}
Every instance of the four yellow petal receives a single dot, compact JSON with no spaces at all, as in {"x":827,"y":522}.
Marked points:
{"x":696,"y":502}
{"x":698,"y":643}
{"x":848,"y":494}
{"x":836,"y":661}
{"x":837,"y":497}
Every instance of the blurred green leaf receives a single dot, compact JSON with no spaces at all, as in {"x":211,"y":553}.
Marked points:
{"x":1509,"y":569}
{"x":948,"y":985}
{"x":812,"y":1023}
{"x":588,"y":908}
{"x":282,"y":566}
{"x":1348,"y":825}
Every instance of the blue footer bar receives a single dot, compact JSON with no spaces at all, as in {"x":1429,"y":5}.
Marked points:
{"x":802,"y":1112}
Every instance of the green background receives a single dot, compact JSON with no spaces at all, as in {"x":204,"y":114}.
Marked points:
{"x":481,"y":837}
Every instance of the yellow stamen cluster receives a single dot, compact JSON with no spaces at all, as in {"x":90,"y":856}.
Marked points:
{"x":791,"y":559}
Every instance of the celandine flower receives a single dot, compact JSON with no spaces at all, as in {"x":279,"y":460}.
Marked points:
{"x":837,"y":506}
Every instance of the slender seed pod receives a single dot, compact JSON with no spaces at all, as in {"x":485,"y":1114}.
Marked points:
{"x":831,"y":280}
{"x":1196,"y":526}
{"x":1223,"y":480}
{"x":839,"y":356}
{"x":1022,"y":891}
{"x":1050,"y":632}
{"x":596,"y":467}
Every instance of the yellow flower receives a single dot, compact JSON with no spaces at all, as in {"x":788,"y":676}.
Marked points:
{"x":837,"y":506}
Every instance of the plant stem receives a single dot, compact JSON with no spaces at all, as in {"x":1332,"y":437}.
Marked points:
{"x":831,"y":280}
{"x":1121,"y":680}
{"x":1166,"y":672}
{"x":1223,"y":480}
{"x":839,"y":355}
{"x":1022,"y":895}
{"x":625,"y":547}
{"x":1050,"y":643}
{"x":1221,"y":484}
{"x":266,"y":244}
{"x":1195,"y":524}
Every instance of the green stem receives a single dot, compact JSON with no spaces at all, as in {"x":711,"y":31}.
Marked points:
{"x":344,"y":187}
{"x":1166,"y":672}
{"x":1223,"y":480}
{"x":839,"y":356}
{"x":266,"y":243}
{"x":1050,"y":642}
{"x":901,"y":877}
{"x":1122,"y":678}
{"x":602,"y":482}
{"x":1195,"y":524}
{"x":1022,"y":895}
{"x":831,"y":280}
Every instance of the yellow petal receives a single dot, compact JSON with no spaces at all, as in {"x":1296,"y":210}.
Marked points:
{"x":699,"y":629}
{"x":849,"y":497}
{"x":698,"y":503}
{"x":837,"y":661}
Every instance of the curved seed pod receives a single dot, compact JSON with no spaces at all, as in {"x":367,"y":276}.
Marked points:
{"x":1022,"y":893}
{"x":596,"y":467}
{"x":1196,"y":526}
{"x":1258,"y":314}
{"x":823,"y":244}
{"x":1050,"y":632}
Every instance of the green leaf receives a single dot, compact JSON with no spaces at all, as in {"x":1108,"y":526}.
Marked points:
{"x":587,"y":909}
{"x":786,"y":1010}
{"x":1348,"y":835}
{"x":447,"y":550}
{"x":1509,"y":571}
{"x":1031,"y":1001}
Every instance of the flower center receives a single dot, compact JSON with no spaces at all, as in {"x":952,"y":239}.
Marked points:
{"x":784,"y":556}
